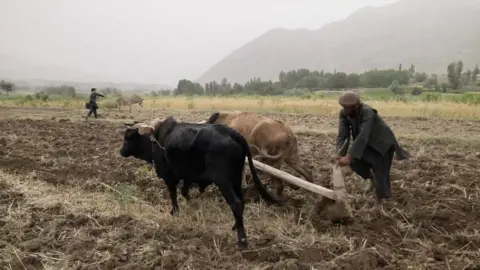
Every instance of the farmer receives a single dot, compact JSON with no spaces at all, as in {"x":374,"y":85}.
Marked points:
{"x":373,"y":145}
{"x":93,"y":103}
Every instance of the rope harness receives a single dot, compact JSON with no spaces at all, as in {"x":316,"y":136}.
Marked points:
{"x":154,"y":140}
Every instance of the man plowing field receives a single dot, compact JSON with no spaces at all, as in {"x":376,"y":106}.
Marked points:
{"x":373,"y":147}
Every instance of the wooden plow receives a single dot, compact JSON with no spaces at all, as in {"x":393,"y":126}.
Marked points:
{"x":339,"y":210}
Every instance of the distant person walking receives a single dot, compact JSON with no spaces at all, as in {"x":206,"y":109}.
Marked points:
{"x":93,"y":103}
{"x":373,"y":147}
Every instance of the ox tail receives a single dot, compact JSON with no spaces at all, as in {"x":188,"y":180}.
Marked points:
{"x":258,"y":184}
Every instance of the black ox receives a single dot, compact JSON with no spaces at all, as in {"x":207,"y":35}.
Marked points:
{"x":197,"y":153}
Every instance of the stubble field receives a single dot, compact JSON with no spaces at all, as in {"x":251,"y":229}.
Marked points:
{"x":68,"y":200}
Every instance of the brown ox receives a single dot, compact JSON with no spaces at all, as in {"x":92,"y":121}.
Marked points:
{"x":269,"y":139}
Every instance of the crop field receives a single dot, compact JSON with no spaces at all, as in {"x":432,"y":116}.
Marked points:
{"x":428,"y":104}
{"x":68,"y":200}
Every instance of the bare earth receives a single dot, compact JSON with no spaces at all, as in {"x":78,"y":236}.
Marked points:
{"x":69,"y":200}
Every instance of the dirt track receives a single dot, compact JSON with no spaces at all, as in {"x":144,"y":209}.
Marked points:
{"x":67,"y":199}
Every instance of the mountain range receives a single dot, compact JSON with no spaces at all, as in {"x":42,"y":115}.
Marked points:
{"x":426,"y":33}
{"x":28,"y":76}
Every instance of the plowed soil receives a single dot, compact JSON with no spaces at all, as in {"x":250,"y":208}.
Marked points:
{"x":68,"y":200}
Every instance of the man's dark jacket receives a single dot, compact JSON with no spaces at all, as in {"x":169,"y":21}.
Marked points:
{"x":368,"y":130}
{"x":93,"y":99}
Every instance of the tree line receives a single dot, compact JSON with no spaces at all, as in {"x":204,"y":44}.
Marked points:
{"x":7,"y":86}
{"x":458,"y":77}
{"x":300,"y":81}
{"x":293,"y":81}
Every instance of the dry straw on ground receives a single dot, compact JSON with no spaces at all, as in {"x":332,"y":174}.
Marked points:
{"x":68,"y":200}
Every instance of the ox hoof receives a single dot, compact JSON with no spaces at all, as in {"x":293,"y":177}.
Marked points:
{"x":242,"y":244}
{"x":294,"y":187}
{"x":279,"y":194}
{"x":342,"y":221}
{"x":367,"y":185}
{"x":234,"y":227}
{"x":174,"y":212}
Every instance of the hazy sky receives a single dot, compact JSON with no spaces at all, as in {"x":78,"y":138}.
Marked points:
{"x":151,"y":41}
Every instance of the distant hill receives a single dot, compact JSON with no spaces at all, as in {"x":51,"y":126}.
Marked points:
{"x":14,"y":68}
{"x":34,"y":85}
{"x":427,"y":33}
{"x":27,"y":76}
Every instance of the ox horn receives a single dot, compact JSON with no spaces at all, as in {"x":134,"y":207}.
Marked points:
{"x":143,"y":129}
{"x":263,"y":153}
{"x":132,"y":124}
{"x":202,"y":122}
{"x":139,"y":124}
